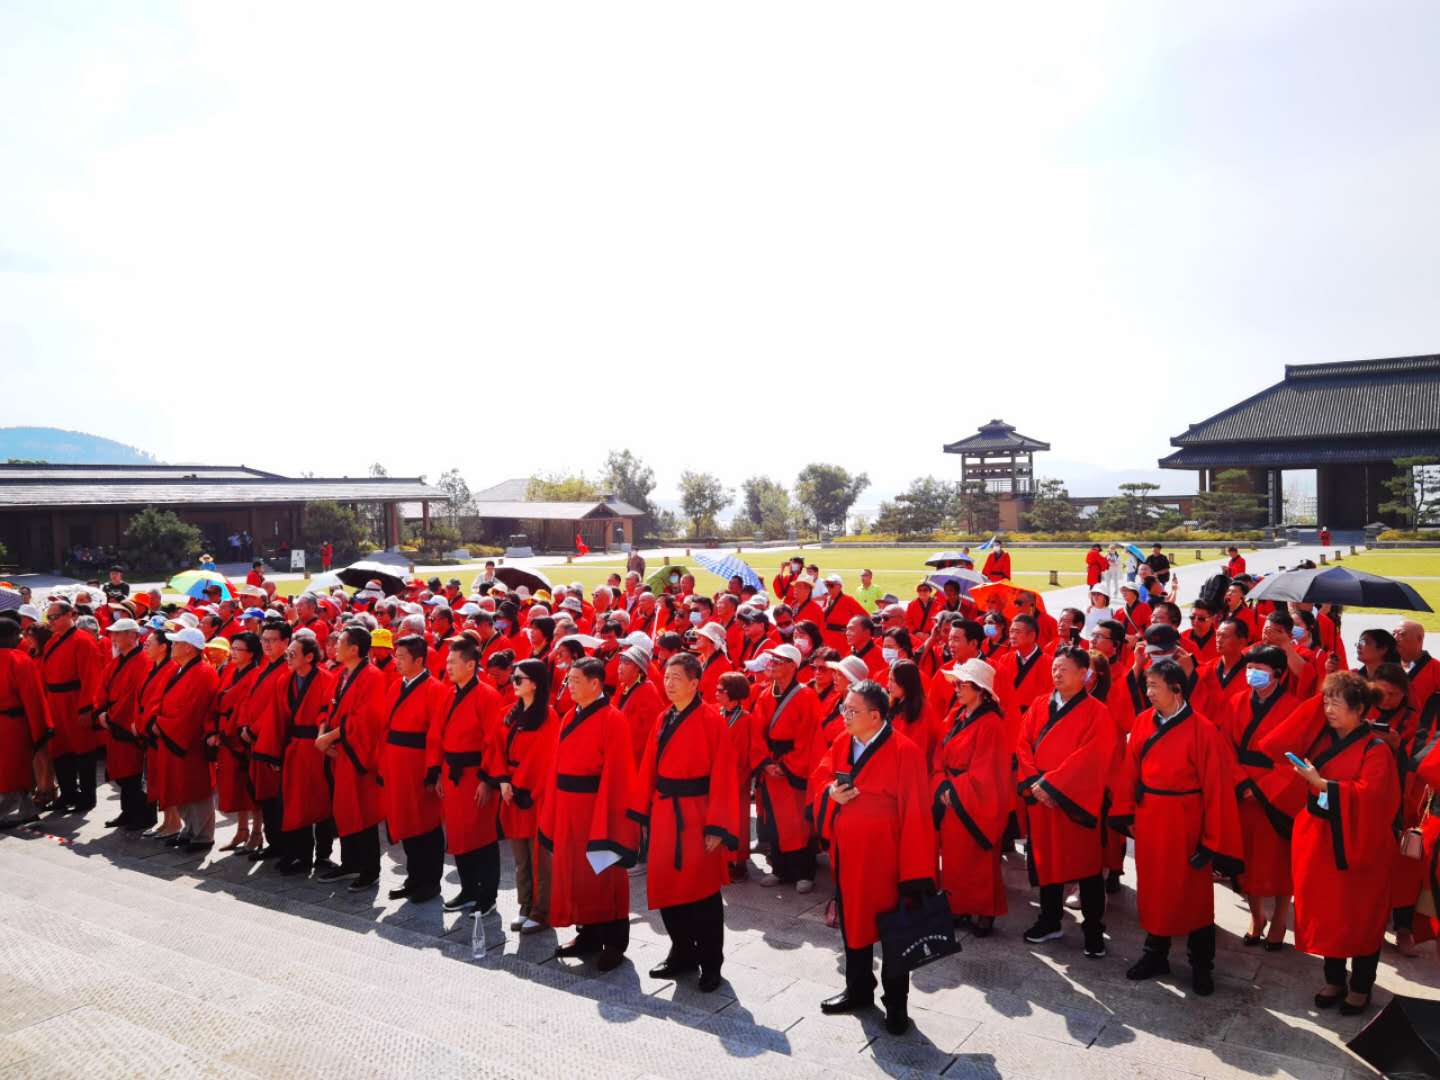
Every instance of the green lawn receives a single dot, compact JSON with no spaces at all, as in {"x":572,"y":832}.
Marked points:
{"x":1413,"y":565}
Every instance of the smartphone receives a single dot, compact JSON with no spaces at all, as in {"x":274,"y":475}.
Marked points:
{"x":1380,"y":725}
{"x":845,"y":779}
{"x":1295,"y":759}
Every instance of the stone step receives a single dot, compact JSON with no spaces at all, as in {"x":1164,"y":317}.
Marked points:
{"x":227,"y":955}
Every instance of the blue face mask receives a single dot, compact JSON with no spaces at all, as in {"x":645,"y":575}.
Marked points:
{"x":1257,"y":678}
{"x":503,"y":625}
{"x":991,"y":629}
{"x":1298,"y":633}
{"x":696,"y":618}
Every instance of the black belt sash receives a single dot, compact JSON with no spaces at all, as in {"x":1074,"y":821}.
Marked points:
{"x":305,"y":731}
{"x":676,"y":789}
{"x":577,"y":785}
{"x":63,"y":687}
{"x":460,"y":760}
{"x":19,"y":711}
{"x":1143,"y":789}
{"x":411,"y":740}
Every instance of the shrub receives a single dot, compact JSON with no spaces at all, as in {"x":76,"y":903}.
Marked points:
{"x":158,"y":540}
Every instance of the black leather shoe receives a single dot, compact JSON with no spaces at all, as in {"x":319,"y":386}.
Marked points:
{"x":363,"y":882}
{"x":268,"y":852}
{"x":325,"y":865}
{"x":422,"y":896}
{"x":199,"y":845}
{"x":672,"y":969}
{"x":710,"y":981}
{"x":897,"y":1022}
{"x":577,"y":947}
{"x":180,"y":839}
{"x":609,"y":959}
{"x":401,"y":893}
{"x":1150,"y":964}
{"x":115,"y":822}
{"x":844,"y":1002}
{"x":333,"y":873}
{"x":458,"y":902}
{"x":292,"y":866}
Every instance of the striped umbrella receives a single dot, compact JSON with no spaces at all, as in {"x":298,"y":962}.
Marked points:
{"x":729,"y":566}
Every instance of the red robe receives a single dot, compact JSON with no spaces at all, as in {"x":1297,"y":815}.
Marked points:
{"x":1180,"y":808}
{"x":470,"y":753}
{"x":182,"y":721}
{"x":920,"y":615}
{"x":526,"y":761}
{"x":997,"y":566}
{"x":837,"y":611}
{"x":1095,"y":567}
{"x":875,"y":663}
{"x":810,"y":611}
{"x":288,"y":740}
{"x":685,"y":792}
{"x":1407,"y":875}
{"x":1018,"y":683}
{"x":255,"y":715}
{"x":1424,"y":676}
{"x":411,"y":741}
{"x":1066,"y":751}
{"x":1134,"y":618}
{"x":583,"y":811}
{"x":924,"y":731}
{"x":1216,"y":688}
{"x":70,"y":668}
{"x":386,"y":666}
{"x":1427,"y":763}
{"x":119,"y":703}
{"x":640,"y":704}
{"x":1202,"y":648}
{"x":710,"y":674}
{"x":155,"y":678}
{"x":24,"y":720}
{"x":1343,"y":852}
{"x":232,"y":756}
{"x":358,"y":710}
{"x":882,"y":839}
{"x":738,"y":724}
{"x":1264,"y":826}
{"x":782,"y":733}
{"x":972,"y":765}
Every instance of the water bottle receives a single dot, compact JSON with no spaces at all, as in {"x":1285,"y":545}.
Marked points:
{"x":477,"y":937}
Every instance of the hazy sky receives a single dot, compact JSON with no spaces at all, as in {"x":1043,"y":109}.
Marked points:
{"x":508,"y":237}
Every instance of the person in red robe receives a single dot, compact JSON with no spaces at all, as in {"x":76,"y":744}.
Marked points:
{"x":1342,"y":844}
{"x":158,"y":669}
{"x":529,"y":737}
{"x":686,"y":796}
{"x":231,"y":753}
{"x":1064,"y":756}
{"x":1409,"y":735}
{"x":1199,"y":640}
{"x":285,"y":743}
{"x":997,"y":564}
{"x":1235,"y":566}
{"x":1266,"y":790}
{"x":974,"y":795}
{"x":1022,"y":674}
{"x":860,"y":641}
{"x":782,"y":730}
{"x":1220,"y":681}
{"x":70,"y":669}
{"x":181,"y":724}
{"x":910,"y":710}
{"x":350,"y":738}
{"x":584,"y":822}
{"x":117,"y":708}
{"x":710,"y":646}
{"x":805,"y":609}
{"x":638,"y":700}
{"x":735,"y":693}
{"x":920,"y":613}
{"x":470,"y":754}
{"x":255,"y":714}
{"x":1185,"y":824}
{"x":873,"y":808}
{"x":24,"y":731}
{"x":1421,"y":668}
{"x":1095,"y":565}
{"x":837,"y":608}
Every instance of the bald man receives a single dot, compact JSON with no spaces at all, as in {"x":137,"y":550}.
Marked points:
{"x":1423,"y":670}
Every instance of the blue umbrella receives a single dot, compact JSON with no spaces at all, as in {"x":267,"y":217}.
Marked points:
{"x":1134,"y":550}
{"x":729,"y":566}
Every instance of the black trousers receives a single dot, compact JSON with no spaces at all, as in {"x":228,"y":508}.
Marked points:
{"x":360,"y":851}
{"x":607,"y":935}
{"x":1403,"y":918}
{"x":480,"y":874}
{"x":310,"y":843}
{"x":796,"y":865}
{"x":75,"y":777}
{"x":424,"y":861}
{"x":1362,"y":972}
{"x":1092,"y":901}
{"x":697,"y":932}
{"x":272,"y":814}
{"x":860,"y":979}
{"x":135,"y":809}
{"x":1199,"y":944}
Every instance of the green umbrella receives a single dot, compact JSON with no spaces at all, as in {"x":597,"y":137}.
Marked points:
{"x":659,"y":581}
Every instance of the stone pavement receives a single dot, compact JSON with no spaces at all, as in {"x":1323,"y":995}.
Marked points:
{"x":121,"y":958}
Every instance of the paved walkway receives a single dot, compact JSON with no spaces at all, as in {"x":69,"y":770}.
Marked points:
{"x":121,"y":958}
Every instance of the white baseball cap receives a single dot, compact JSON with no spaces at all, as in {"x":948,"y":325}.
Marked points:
{"x":124,"y":626}
{"x":788,"y":653}
{"x":189,"y":636}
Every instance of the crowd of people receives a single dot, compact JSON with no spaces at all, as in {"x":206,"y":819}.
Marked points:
{"x":911,"y":742}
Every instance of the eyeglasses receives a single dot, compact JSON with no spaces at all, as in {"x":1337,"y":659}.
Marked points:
{"x":518,"y":680}
{"x":849,"y":712}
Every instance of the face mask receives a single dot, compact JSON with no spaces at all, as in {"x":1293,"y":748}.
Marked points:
{"x":890,"y":655}
{"x":503,"y":625}
{"x":696,"y":618}
{"x":1257,"y":678}
{"x":804,"y":645}
{"x":1298,"y":633}
{"x":674,"y":579}
{"x":991,"y":630}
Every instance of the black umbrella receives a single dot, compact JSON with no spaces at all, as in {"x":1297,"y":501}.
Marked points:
{"x":514,"y":577}
{"x":1403,"y":1040}
{"x":1339,"y":585}
{"x":356,"y":575}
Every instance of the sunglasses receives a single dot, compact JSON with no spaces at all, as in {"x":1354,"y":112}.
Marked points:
{"x":518,"y":680}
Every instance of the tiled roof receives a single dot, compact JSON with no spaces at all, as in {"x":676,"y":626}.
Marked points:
{"x":162,"y":491}
{"x":130,"y":472}
{"x":552,"y":511}
{"x":1360,"y":400}
{"x":995,"y":436}
{"x":505,"y":491}
{"x":1302,"y":454}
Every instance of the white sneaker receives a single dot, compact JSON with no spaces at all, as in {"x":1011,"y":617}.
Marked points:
{"x":1073,"y":901}
{"x":769,"y":881}
{"x":804,"y":885}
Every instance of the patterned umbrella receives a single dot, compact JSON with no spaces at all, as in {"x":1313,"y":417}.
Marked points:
{"x":728,"y":566}
{"x":195,"y":582}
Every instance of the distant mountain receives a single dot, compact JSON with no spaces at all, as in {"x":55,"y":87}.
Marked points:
{"x":60,"y":447}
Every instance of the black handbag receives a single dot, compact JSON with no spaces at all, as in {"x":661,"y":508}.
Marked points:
{"x":913,"y":936}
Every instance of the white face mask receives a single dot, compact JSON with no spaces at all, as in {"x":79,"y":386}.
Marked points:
{"x":890,"y":655}
{"x":804,"y":645}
